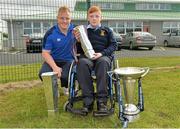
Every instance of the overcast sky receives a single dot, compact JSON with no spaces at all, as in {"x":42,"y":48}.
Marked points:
{"x":30,"y":7}
{"x":40,"y":2}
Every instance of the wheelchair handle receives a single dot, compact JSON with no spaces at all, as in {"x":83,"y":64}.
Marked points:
{"x":110,"y":74}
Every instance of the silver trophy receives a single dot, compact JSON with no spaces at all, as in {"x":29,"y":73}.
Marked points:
{"x":51,"y":92}
{"x":85,"y":43}
{"x":129,"y":111}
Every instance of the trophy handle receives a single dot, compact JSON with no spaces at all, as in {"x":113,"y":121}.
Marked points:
{"x":146,"y":71}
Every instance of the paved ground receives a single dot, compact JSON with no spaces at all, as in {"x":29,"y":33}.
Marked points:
{"x":13,"y":58}
{"x":143,"y":52}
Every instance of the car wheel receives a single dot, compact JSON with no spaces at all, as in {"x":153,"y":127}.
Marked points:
{"x":65,"y":105}
{"x":118,"y":48}
{"x":165,"y":43}
{"x":28,"y":50}
{"x":131,"y":46}
{"x":150,"y":48}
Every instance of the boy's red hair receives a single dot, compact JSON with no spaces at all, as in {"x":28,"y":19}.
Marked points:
{"x":93,"y":9}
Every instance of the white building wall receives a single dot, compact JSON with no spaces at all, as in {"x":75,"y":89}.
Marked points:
{"x":156,"y":29}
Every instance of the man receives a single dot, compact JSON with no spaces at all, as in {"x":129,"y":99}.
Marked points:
{"x":104,"y":45}
{"x":57,"y":47}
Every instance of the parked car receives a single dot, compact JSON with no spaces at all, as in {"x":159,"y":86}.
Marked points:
{"x":34,"y":43}
{"x":172,"y":39}
{"x":118,"y":38}
{"x":134,"y":40}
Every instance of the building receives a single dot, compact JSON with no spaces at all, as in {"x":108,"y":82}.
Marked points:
{"x":158,"y":17}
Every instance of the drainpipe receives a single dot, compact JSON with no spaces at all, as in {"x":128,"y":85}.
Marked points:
{"x":88,"y":4}
{"x":1,"y":40}
{"x":12,"y":35}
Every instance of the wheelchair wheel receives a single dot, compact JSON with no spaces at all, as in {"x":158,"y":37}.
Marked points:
{"x":70,"y":73}
{"x":66,"y":105}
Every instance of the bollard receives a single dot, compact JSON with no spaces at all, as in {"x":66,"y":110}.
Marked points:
{"x":51,"y":92}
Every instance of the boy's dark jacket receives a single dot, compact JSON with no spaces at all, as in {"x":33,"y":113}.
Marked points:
{"x":102,"y":40}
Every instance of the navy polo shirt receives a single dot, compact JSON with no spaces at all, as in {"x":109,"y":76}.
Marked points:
{"x":60,"y":45}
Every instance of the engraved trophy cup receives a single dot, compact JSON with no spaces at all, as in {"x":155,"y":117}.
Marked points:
{"x":85,"y":43}
{"x":51,"y":92}
{"x":130,"y":77}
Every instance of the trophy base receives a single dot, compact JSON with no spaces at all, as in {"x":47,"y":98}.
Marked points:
{"x":131,"y":112}
{"x":132,"y":118}
{"x":131,"y":109}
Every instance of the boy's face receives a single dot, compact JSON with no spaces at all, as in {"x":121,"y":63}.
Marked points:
{"x":94,"y":18}
{"x":64,"y":20}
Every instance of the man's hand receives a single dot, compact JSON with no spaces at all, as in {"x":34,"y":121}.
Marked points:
{"x":76,"y":34}
{"x":58,"y":70}
{"x":96,"y":56}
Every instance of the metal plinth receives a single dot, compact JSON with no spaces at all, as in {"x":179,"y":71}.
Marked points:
{"x":51,"y":92}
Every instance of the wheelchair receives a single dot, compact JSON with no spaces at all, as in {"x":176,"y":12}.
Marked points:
{"x":75,"y":96}
{"x":114,"y":95}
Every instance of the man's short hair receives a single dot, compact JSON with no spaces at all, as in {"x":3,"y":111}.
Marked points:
{"x":63,"y":9}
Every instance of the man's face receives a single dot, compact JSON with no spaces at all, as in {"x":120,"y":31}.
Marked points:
{"x":64,"y":20}
{"x":94,"y":18}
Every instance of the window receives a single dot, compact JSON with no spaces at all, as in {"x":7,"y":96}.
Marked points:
{"x":178,"y":33}
{"x":150,"y":7}
{"x":27,"y":31}
{"x":110,"y":6}
{"x":129,"y":27}
{"x":117,"y":27}
{"x":124,"y":27}
{"x":153,"y":6}
{"x":117,"y":6}
{"x":137,"y":26}
{"x":156,"y":6}
{"x":27,"y":28}
{"x":165,"y":7}
{"x":36,"y":27}
{"x":46,"y":26}
{"x":121,"y":28}
{"x":113,"y":25}
{"x":169,"y":27}
{"x":106,"y":5}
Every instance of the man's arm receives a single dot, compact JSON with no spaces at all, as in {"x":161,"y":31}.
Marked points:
{"x":48,"y":58}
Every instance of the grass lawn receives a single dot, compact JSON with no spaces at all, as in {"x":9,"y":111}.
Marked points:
{"x":19,"y":72}
{"x":26,"y":108}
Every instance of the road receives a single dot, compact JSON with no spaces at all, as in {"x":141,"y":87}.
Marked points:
{"x":15,"y":58}
{"x":144,"y":52}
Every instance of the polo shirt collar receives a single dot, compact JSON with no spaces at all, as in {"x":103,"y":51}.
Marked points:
{"x":95,"y":28}
{"x":70,"y":27}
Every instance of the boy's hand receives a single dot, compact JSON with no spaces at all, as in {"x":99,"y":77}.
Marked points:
{"x":96,"y":56}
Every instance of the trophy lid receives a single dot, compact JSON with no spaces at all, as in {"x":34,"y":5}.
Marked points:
{"x":134,"y":72}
